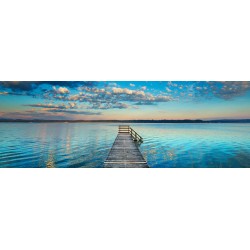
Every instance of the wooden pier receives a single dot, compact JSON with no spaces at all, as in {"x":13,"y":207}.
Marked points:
{"x":125,"y":152}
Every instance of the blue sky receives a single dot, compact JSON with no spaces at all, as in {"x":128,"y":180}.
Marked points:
{"x":90,"y":100}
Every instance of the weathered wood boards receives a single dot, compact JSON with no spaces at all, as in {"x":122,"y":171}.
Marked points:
{"x":125,"y":153}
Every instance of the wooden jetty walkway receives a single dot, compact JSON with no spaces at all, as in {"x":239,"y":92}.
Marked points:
{"x":125,"y":152}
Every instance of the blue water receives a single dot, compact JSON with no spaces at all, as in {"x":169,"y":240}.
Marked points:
{"x":25,"y":145}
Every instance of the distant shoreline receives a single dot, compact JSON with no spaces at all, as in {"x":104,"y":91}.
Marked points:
{"x":128,"y":121}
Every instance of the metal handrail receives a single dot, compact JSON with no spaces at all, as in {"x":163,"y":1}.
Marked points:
{"x":135,"y":136}
{"x":128,"y":129}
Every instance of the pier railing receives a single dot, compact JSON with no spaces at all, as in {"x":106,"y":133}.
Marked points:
{"x":128,"y":129}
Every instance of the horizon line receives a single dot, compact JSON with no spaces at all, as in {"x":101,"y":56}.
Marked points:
{"x":127,"y":120}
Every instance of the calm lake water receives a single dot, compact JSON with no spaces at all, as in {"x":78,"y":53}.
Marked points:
{"x":87,"y":144}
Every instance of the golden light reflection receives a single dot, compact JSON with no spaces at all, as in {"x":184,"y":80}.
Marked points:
{"x":68,"y":143}
{"x":171,"y":155}
{"x":51,"y":160}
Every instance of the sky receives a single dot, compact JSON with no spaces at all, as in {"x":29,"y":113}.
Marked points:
{"x":137,"y":100}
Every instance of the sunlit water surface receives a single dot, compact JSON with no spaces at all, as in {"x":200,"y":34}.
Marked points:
{"x":88,"y":144}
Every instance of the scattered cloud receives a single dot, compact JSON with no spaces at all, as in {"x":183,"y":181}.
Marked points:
{"x":26,"y":86}
{"x":32,"y":114}
{"x":18,"y":86}
{"x":75,"y":112}
{"x":145,"y":103}
{"x":53,"y":106}
{"x":228,"y":90}
{"x":89,"y":98}
{"x":61,"y":90}
{"x":200,"y":90}
{"x":127,"y":91}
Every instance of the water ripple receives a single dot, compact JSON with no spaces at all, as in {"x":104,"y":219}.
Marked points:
{"x":87,"y":145}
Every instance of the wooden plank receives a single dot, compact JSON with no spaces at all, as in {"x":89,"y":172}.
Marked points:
{"x":125,"y":153}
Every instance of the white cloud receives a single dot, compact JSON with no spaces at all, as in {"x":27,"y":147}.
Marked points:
{"x":122,"y":91}
{"x":61,"y":90}
{"x":127,"y":91}
{"x":71,"y":105}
